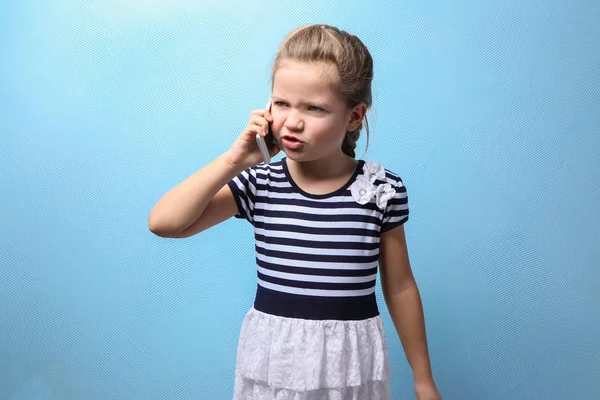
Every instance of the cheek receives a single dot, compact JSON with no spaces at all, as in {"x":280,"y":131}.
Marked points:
{"x":277,"y":124}
{"x":279,"y":118}
{"x":330,"y":130}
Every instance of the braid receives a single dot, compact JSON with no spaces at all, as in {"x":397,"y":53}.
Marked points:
{"x":349,"y":143}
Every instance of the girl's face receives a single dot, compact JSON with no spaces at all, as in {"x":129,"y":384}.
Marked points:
{"x":310,"y":118}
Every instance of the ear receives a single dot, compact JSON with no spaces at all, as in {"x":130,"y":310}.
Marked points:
{"x":356,"y":116}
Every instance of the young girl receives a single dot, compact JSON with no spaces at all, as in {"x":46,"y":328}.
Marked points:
{"x":323,"y":223}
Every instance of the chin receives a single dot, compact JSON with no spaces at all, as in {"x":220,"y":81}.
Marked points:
{"x":304,"y":157}
{"x":297,"y":157}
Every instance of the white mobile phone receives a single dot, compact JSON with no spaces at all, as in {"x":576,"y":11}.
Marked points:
{"x":262,"y":144}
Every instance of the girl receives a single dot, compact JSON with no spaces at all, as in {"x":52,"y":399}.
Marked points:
{"x":323,"y":223}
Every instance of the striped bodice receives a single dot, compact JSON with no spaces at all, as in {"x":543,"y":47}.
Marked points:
{"x":318,"y":249}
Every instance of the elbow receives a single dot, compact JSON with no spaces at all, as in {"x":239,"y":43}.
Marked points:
{"x":160,"y":227}
{"x":400,"y":288}
{"x":155,"y":226}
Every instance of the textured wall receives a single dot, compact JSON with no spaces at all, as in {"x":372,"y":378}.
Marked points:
{"x":490,"y":112}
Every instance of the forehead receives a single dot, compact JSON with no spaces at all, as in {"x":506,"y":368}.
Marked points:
{"x":306,"y":80}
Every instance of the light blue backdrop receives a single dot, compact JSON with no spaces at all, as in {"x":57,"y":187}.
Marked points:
{"x":489,"y":111}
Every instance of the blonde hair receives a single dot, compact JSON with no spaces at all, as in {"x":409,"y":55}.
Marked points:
{"x":352,"y":61}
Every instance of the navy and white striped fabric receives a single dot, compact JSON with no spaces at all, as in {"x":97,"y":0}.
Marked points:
{"x":322,"y":248}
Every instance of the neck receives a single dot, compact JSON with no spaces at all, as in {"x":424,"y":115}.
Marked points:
{"x":328,"y":167}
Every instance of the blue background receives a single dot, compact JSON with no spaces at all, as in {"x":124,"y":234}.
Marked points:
{"x":489,"y":111}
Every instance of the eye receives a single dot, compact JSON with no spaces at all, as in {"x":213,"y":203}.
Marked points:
{"x":315,"y":108}
{"x":280,"y":104}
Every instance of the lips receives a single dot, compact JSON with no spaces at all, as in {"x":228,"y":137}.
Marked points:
{"x":291,"y":142}
{"x":291,"y":139}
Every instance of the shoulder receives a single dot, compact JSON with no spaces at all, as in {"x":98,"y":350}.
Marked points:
{"x":379,"y":174}
{"x":263,"y":171}
{"x":266,"y":176}
{"x":387,"y":189}
{"x":378,"y":185}
{"x":274,"y":168}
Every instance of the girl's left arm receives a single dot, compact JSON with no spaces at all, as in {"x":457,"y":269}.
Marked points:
{"x":403,"y":300}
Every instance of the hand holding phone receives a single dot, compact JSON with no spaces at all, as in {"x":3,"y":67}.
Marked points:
{"x":243,"y":152}
{"x":262,"y":142}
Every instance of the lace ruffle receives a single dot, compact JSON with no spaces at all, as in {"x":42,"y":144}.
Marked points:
{"x":333,"y":358}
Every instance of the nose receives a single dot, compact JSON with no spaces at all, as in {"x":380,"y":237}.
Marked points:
{"x":293,"y":121}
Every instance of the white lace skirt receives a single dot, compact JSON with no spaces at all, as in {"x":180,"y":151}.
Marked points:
{"x":297,"y":359}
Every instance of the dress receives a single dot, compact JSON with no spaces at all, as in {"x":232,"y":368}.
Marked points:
{"x":314,"y":331}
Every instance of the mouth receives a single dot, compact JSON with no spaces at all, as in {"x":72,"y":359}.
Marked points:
{"x":291,"y":139}
{"x":291,"y":142}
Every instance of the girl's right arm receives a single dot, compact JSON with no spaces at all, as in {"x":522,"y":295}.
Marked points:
{"x":204,"y":199}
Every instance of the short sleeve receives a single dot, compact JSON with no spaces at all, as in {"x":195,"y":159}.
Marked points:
{"x":396,"y":210}
{"x":243,"y":188}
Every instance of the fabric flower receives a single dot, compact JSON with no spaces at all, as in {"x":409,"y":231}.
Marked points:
{"x":384,"y":193}
{"x":373,"y":171}
{"x":362,"y":190}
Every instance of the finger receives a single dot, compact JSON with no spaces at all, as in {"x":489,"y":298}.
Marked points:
{"x":264,"y":124}
{"x":259,"y":112}
{"x":260,"y":126}
{"x":268,"y":116}
{"x":257,"y":120}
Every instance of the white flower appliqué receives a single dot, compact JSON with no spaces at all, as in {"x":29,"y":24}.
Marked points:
{"x":364,"y":189}
{"x":385,"y":192}
{"x":373,"y":171}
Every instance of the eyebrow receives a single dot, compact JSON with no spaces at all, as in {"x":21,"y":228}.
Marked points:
{"x":304,"y":103}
